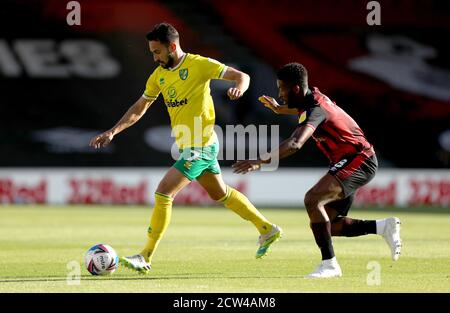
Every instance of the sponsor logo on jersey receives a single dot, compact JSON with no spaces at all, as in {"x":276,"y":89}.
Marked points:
{"x":184,"y":72}
{"x":161,"y":81}
{"x":176,"y":103}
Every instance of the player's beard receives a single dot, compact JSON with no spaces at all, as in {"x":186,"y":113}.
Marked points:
{"x":292,"y":101}
{"x":170,"y":61}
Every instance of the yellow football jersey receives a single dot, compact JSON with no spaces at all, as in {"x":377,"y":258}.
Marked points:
{"x":187,"y":96}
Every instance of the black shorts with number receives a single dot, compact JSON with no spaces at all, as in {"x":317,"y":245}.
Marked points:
{"x":352,"y":173}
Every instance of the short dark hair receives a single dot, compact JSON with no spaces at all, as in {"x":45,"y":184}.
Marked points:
{"x":164,"y":33}
{"x":295,"y":74}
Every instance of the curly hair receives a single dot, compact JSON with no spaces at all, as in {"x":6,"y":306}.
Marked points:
{"x":294,"y":74}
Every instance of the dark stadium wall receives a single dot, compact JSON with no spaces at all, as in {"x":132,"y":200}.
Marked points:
{"x":62,"y":84}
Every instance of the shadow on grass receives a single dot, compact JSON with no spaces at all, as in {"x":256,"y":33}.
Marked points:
{"x":135,"y":277}
{"x":383,"y":209}
{"x":390,"y":209}
{"x":421,"y":210}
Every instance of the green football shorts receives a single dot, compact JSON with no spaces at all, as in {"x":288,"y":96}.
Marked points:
{"x":193,"y":162}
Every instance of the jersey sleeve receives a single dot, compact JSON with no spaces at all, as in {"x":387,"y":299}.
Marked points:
{"x":312,"y":117}
{"x":151,"y":88}
{"x":211,"y":69}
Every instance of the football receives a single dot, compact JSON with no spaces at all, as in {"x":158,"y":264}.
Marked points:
{"x":101,"y":259}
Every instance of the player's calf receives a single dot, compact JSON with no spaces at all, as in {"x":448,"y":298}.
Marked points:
{"x":349,"y":227}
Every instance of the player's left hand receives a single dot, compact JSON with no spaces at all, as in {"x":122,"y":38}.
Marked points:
{"x":243,"y":167}
{"x":234,"y":93}
{"x":270,"y":103}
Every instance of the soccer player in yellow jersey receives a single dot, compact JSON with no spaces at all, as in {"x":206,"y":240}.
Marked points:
{"x":183,"y":80}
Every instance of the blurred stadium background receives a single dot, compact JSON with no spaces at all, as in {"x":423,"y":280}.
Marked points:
{"x":63,"y":84}
{"x":60,"y":85}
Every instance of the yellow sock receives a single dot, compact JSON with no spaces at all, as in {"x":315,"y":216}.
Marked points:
{"x":238,"y":203}
{"x":158,"y":224}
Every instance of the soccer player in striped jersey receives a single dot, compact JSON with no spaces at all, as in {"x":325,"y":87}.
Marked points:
{"x":183,"y":80}
{"x":353,"y":164}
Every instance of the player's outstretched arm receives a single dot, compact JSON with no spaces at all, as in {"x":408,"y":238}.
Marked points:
{"x":241,"y":79}
{"x":134,"y":113}
{"x":272,"y":104}
{"x":286,"y":148}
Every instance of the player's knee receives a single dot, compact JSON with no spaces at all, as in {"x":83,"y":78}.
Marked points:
{"x":311,"y":201}
{"x":165,"y":189}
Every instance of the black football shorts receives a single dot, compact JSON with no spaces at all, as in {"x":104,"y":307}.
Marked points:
{"x":354,"y":172}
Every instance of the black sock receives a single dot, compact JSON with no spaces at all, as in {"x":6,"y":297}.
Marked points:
{"x":353,"y":228}
{"x":322,"y":235}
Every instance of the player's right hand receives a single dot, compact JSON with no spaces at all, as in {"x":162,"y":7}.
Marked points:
{"x":270,"y":103}
{"x":234,"y":93}
{"x":102,"y":140}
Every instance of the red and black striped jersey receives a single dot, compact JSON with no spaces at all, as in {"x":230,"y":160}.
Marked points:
{"x":336,"y":134}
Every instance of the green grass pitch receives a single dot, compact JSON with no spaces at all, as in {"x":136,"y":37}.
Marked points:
{"x":212,"y":250}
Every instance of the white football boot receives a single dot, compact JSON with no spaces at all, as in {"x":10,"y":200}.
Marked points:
{"x":136,"y":263}
{"x":327,"y":269}
{"x":391,"y":234}
{"x":265,"y":241}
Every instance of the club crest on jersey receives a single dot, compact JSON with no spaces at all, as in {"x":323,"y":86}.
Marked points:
{"x":302,"y":117}
{"x":184,"y":72}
